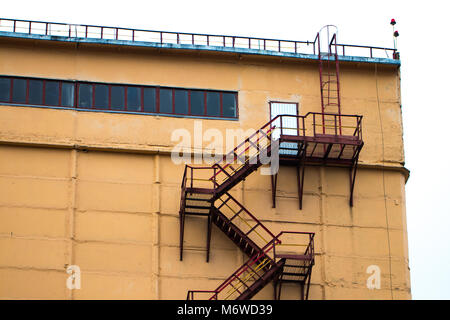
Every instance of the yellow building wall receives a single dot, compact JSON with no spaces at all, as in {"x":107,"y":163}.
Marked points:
{"x":99,"y":190}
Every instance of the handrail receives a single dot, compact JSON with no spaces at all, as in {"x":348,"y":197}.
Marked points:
{"x":267,"y":130}
{"x":134,"y":35}
{"x":251,"y":215}
{"x":252,"y":261}
{"x":310,"y":245}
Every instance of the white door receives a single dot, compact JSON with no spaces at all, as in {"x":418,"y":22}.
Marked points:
{"x":289,"y":124}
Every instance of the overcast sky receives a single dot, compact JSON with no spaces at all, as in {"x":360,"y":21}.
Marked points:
{"x":425,"y":93}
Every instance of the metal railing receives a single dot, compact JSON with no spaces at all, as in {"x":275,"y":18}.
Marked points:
{"x":254,"y":269}
{"x":312,"y":124}
{"x":247,"y":223}
{"x":168,"y":37}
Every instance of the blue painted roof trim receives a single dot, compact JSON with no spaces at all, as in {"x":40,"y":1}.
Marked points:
{"x":194,"y":47}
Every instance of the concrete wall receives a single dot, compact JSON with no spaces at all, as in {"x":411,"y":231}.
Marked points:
{"x":99,"y":190}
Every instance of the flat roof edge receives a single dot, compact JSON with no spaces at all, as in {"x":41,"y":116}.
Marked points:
{"x":237,"y":50}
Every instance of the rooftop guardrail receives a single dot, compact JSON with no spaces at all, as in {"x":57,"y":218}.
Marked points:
{"x":84,"y":31}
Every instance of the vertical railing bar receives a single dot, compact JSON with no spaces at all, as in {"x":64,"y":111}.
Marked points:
{"x":335,"y":125}
{"x":304,"y":128}
{"x":314,"y":124}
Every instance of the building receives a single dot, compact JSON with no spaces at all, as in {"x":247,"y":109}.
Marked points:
{"x":90,"y":115}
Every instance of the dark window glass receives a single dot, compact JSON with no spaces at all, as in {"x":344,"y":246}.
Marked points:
{"x":197,"y":103}
{"x":101,"y":98}
{"x":19,"y":91}
{"x":165,"y":100}
{"x":229,"y":105}
{"x":85,"y":96}
{"x":213,"y":103}
{"x":67,"y":93}
{"x":117,"y":98}
{"x":134,"y":99}
{"x":35,"y":92}
{"x":149,"y":100}
{"x":51,"y":93}
{"x":5,"y":88}
{"x":181,"y":101}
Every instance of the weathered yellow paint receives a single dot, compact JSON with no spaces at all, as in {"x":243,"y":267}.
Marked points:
{"x":99,"y":190}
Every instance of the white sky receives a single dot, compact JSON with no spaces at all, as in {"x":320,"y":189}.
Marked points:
{"x":425,"y":94}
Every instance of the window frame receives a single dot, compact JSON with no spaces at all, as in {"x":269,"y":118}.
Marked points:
{"x":141,"y":89}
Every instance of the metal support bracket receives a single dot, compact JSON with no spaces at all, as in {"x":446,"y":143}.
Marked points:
{"x":274,"y":180}
{"x":301,"y":175}
{"x":352,"y":175}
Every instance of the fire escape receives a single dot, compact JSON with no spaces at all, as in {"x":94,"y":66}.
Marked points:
{"x":326,"y":138}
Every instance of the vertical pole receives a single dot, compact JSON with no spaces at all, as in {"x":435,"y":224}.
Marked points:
{"x":208,"y":239}
{"x":309,"y":282}
{"x":182,"y":216}
{"x":302,"y":291}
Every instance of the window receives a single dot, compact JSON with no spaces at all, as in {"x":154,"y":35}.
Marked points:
{"x":181,"y":101}
{"x":101,"y":96}
{"x":229,"y":105}
{"x":19,"y":94}
{"x":67,"y":94}
{"x":165,"y":100}
{"x":85,"y":96}
{"x":149,"y":100}
{"x":117,"y":98}
{"x":213,"y":104}
{"x":35,"y":92}
{"x":51,"y":93}
{"x":5,"y":89}
{"x":132,"y":98}
{"x":197,"y":103}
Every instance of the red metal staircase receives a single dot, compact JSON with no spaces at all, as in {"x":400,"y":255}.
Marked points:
{"x":265,"y":266}
{"x":326,"y":138}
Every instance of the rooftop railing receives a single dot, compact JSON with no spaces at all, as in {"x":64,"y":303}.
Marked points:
{"x":84,"y":31}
